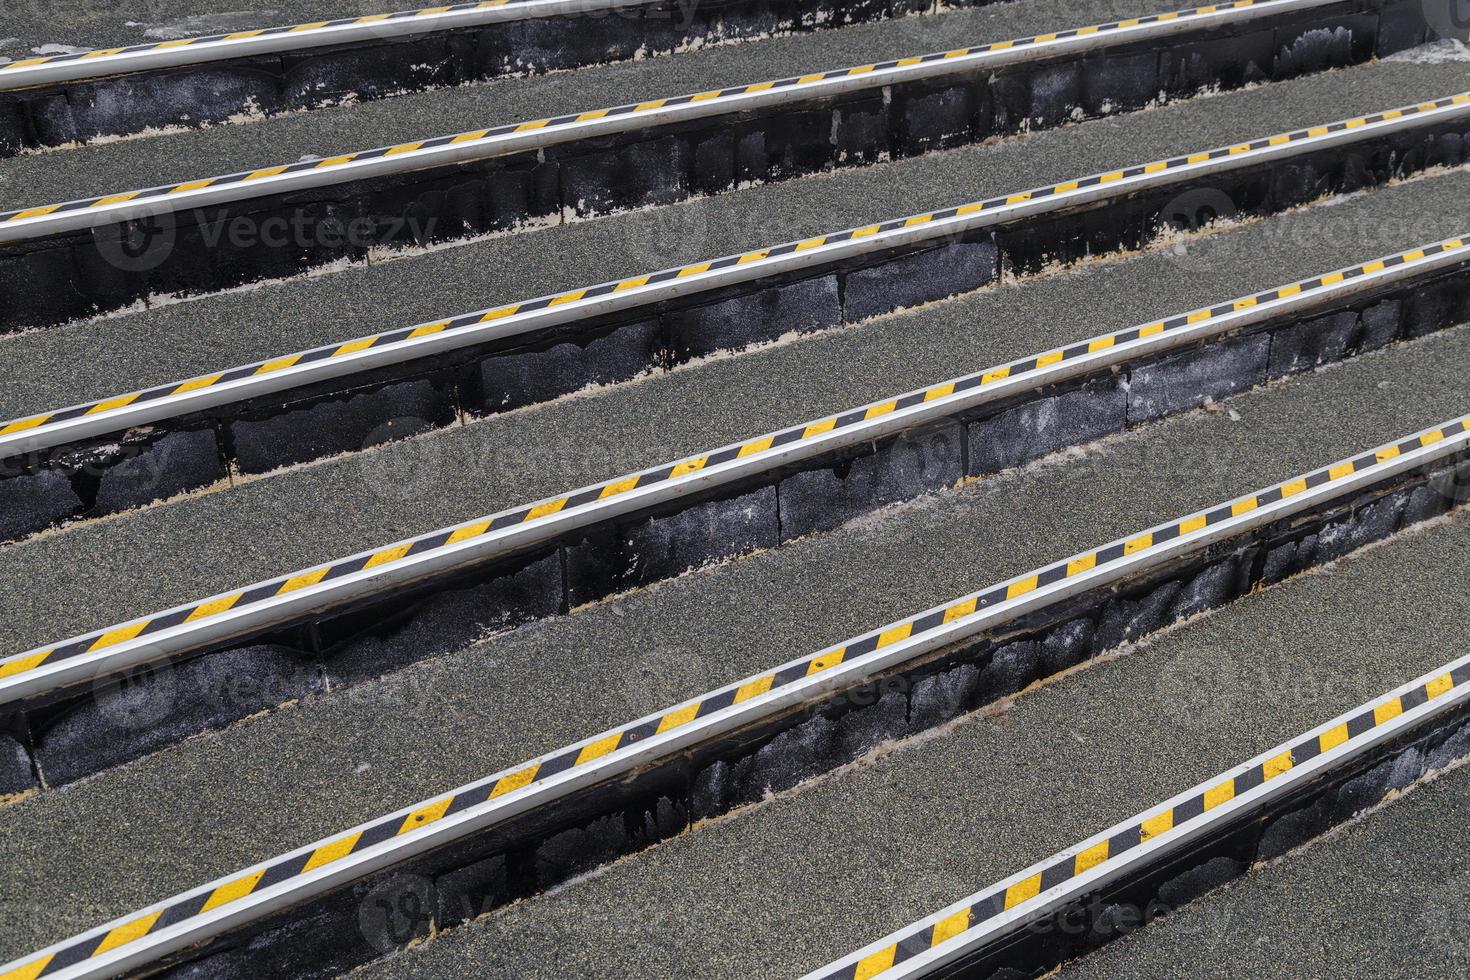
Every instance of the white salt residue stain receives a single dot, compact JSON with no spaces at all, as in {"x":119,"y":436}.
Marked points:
{"x":200,"y":24}
{"x":1434,"y":53}
{"x":58,"y":49}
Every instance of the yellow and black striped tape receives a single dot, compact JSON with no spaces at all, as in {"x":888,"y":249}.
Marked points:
{"x":384,"y":558}
{"x":31,"y":424}
{"x":292,"y":29}
{"x":556,"y":122}
{"x":986,"y":905}
{"x":916,"y":627}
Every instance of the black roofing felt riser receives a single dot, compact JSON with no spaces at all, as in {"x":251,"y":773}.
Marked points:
{"x":76,"y":732}
{"x":194,"y":95}
{"x":546,"y":847}
{"x":1335,"y":797}
{"x":98,"y":476}
{"x":278,"y":236}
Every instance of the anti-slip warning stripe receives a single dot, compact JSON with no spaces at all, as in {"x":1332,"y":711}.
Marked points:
{"x":105,"y":61}
{"x":409,"y":156}
{"x":1035,"y":891}
{"x":1184,"y":327}
{"x":30,"y":432}
{"x":626,"y":745}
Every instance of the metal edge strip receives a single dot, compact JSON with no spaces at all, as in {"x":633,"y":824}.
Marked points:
{"x":191,"y":626}
{"x":971,"y":923}
{"x":116,"y":413}
{"x":78,"y":66}
{"x":36,"y":221}
{"x":247,"y":895}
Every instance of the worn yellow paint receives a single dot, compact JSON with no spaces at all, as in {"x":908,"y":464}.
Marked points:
{"x":388,"y":555}
{"x":1277,"y":765}
{"x":1154,"y":826}
{"x":677,"y":717}
{"x":1388,"y":711}
{"x":1332,"y":738}
{"x":32,"y":969}
{"x":470,"y":531}
{"x":232,"y":891}
{"x":599,"y":748}
{"x":425,"y":815}
{"x":331,"y":851}
{"x":618,"y":486}
{"x":519,"y":779}
{"x":754,"y":688}
{"x":873,"y":964}
{"x":214,"y":607}
{"x":960,"y":610}
{"x":756,"y":446}
{"x":127,"y":932}
{"x":20,"y":665}
{"x":1220,"y":793}
{"x":1090,"y":858}
{"x":826,"y":661}
{"x":353,"y":346}
{"x":688,"y":466}
{"x":121,"y":634}
{"x":21,"y":425}
{"x":895,"y":635}
{"x":1081,"y":563}
{"x":950,"y":926}
{"x":546,"y":509}
{"x":1023,"y":891}
{"x":1017,"y":589}
{"x":1244,"y":506}
{"x":303,"y":580}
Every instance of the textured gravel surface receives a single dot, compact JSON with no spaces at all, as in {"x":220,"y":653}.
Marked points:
{"x":138,"y":833}
{"x":57,"y":26}
{"x":110,"y":23}
{"x":798,"y":882}
{"x":63,"y":583}
{"x":52,"y":368}
{"x":1385,"y":898}
{"x":323,"y":132}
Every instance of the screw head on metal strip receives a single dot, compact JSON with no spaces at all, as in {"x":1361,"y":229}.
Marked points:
{"x":140,"y":240}
{"x":1448,"y":19}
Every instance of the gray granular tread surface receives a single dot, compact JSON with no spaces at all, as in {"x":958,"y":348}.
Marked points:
{"x":325,"y":132}
{"x":112,"y":24}
{"x":64,"y":583}
{"x":1385,"y":898}
{"x":784,"y":888}
{"x":53,"y":368}
{"x":218,"y":802}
